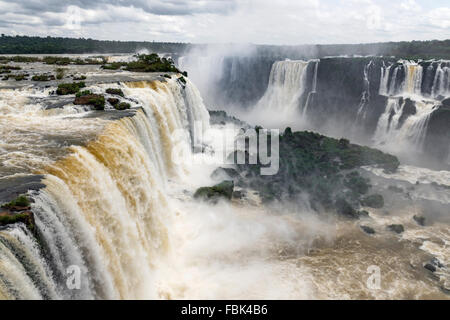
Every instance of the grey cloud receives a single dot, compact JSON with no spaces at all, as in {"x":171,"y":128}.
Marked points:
{"x":159,"y":7}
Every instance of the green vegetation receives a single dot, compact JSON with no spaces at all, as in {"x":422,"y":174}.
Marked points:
{"x":434,"y":49}
{"x":356,"y":183}
{"x":43,"y":77}
{"x":20,"y":201}
{"x":17,"y":77}
{"x":79,"y":78}
{"x":95,"y":100}
{"x":373,"y":201}
{"x":26,"y":218}
{"x":317,"y":165}
{"x":69,"y":88}
{"x":122,"y":106}
{"x":83,"y":93}
{"x":113,"y":66}
{"x":113,"y":91}
{"x":221,"y":190}
{"x":51,"y":45}
{"x":60,"y":73}
{"x":151,"y":63}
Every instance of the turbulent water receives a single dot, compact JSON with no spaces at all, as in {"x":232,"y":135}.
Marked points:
{"x":116,"y":206}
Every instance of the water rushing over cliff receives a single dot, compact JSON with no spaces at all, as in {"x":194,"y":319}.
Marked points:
{"x":103,"y":208}
{"x":110,"y":202}
{"x":373,"y":100}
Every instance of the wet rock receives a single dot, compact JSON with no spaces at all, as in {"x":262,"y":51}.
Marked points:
{"x":397,"y":228}
{"x":368,"y":230}
{"x":362,"y":214}
{"x":238,"y":194}
{"x":221,"y":190}
{"x":420,"y":220}
{"x":430,"y":267}
{"x":113,"y":101}
{"x":224,"y":172}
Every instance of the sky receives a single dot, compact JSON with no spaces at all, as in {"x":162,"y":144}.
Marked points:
{"x":281,"y":22}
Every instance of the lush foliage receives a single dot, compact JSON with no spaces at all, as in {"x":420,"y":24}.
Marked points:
{"x":69,"y":88}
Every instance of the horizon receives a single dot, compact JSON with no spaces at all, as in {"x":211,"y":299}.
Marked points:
{"x":231,"y":43}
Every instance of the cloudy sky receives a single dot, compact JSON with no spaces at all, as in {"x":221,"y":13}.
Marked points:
{"x":238,"y":21}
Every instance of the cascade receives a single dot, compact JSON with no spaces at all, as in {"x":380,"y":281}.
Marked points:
{"x":104,"y":208}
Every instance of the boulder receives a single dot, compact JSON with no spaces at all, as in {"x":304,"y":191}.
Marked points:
{"x":420,"y":220}
{"x":397,"y":228}
{"x":221,"y":190}
{"x":368,"y":230}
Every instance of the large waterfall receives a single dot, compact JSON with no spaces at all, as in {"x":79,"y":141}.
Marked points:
{"x":104,"y":207}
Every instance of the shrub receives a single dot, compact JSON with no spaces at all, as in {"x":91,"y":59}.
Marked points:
{"x":122,"y":106}
{"x":117,"y":92}
{"x":20,"y":201}
{"x":69,"y":88}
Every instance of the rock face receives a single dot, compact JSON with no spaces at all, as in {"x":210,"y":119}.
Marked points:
{"x":373,"y":201}
{"x":214,"y":193}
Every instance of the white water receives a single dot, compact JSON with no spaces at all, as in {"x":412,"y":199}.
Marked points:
{"x":121,"y":210}
{"x":281,"y":105}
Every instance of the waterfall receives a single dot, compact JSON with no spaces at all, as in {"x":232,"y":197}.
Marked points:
{"x":392,"y":133}
{"x":441,"y":81}
{"x":314,"y":86}
{"x":287,"y":84}
{"x":104,"y":208}
{"x":365,"y":97}
{"x":412,"y":80}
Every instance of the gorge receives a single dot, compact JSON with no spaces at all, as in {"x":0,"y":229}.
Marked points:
{"x":110,"y":201}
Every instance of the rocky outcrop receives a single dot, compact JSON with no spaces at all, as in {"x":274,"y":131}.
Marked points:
{"x":17,"y":211}
{"x":222,"y":190}
{"x":95,"y":100}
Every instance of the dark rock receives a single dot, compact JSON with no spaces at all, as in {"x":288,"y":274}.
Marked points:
{"x":363,"y":214}
{"x":225,"y":172}
{"x":238,"y":194}
{"x":446,"y":102}
{"x":397,"y":228}
{"x":430,"y":267}
{"x":113,"y":101}
{"x":373,"y":201}
{"x":420,"y":220}
{"x":368,"y":230}
{"x":221,"y":190}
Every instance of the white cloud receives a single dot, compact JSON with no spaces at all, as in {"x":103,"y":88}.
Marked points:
{"x":256,"y":21}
